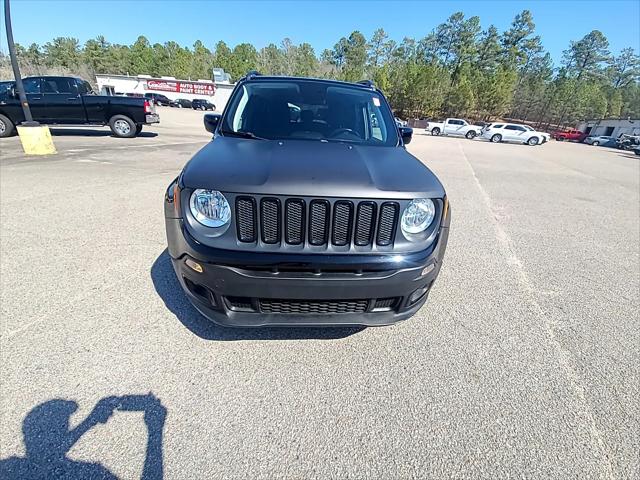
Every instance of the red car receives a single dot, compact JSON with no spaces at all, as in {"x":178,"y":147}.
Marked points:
{"x":575,"y":135}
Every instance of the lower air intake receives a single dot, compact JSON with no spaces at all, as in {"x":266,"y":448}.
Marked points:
{"x":314,"y":307}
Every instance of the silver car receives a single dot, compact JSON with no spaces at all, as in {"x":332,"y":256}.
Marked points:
{"x":602,"y":140}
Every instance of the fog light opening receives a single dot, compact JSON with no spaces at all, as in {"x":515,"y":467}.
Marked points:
{"x":200,"y":291}
{"x":193,"y":265}
{"x":418,"y":294}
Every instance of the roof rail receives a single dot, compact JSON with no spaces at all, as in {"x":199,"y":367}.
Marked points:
{"x":366,"y":83}
{"x":250,"y":74}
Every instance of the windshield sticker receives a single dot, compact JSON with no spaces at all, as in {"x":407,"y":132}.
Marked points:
{"x":376,"y":101}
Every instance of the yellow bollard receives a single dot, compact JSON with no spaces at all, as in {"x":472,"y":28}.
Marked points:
{"x":36,"y":140}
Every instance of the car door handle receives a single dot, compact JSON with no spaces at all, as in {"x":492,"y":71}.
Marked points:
{"x":72,"y":98}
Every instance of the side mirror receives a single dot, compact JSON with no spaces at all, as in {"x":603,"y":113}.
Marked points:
{"x":211,"y":121}
{"x":406,"y":133}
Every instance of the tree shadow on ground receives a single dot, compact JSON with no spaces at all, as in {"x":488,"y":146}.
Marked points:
{"x":48,"y":438}
{"x":169,"y":289}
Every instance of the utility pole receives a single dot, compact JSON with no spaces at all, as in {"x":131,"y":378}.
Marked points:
{"x":16,"y":69}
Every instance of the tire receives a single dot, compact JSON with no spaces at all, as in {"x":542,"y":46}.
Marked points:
{"x":122,"y":126}
{"x":138,"y":129}
{"x":560,"y":139}
{"x":471,"y":135}
{"x":7,"y":128}
{"x":497,"y":138}
{"x":435,"y":131}
{"x":533,"y":141}
{"x":595,"y":144}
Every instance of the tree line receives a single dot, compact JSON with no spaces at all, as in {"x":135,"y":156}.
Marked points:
{"x":457,"y":69}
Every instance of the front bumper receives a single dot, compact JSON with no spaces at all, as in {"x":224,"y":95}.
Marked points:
{"x":151,"y":118}
{"x":247,"y":289}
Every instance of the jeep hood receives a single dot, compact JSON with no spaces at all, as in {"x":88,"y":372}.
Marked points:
{"x":309,"y":168}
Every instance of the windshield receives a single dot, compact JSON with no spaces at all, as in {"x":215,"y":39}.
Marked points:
{"x":310,"y":110}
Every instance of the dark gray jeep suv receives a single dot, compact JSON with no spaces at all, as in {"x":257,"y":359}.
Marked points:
{"x":306,"y":209}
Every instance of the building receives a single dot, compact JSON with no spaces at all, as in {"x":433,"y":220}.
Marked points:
{"x":612,"y":127}
{"x":173,"y":88}
{"x":220,"y":76}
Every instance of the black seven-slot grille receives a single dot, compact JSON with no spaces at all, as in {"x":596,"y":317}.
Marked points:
{"x":317,"y":221}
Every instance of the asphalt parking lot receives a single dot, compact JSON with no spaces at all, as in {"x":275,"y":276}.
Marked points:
{"x":523,"y":363}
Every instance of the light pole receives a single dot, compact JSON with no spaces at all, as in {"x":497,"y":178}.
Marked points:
{"x":16,"y":69}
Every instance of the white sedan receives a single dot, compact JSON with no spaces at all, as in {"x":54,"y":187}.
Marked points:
{"x":514,"y":132}
{"x":453,"y":126}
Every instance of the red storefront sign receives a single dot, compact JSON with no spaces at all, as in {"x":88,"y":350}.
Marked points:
{"x":181,"y":87}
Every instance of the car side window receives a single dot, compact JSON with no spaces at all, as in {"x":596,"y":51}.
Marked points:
{"x":31,"y":85}
{"x":497,"y":126}
{"x":512,"y":127}
{"x":59,"y":85}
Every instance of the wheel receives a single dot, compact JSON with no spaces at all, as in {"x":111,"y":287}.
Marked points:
{"x":435,"y":131}
{"x":596,"y":143}
{"x":122,"y":126}
{"x":560,"y":139}
{"x":471,"y":135}
{"x":138,"y":129}
{"x":7,"y":129}
{"x":497,"y":138}
{"x":533,"y":141}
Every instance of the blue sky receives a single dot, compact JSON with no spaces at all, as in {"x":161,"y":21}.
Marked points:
{"x":320,"y":23}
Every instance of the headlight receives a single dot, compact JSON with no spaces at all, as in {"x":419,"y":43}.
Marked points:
{"x":210,"y":208}
{"x":418,"y":215}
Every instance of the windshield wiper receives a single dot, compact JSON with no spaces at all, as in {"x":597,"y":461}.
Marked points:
{"x":251,"y":135}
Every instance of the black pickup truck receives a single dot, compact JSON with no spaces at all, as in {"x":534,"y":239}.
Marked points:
{"x":71,"y":101}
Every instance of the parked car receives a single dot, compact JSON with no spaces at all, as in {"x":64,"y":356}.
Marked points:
{"x":71,"y":101}
{"x":400,"y":122}
{"x":602,"y":140}
{"x":183,"y":103}
{"x":318,"y":220}
{"x":202,"y":104}
{"x":627,"y":142}
{"x":573,"y":135}
{"x":160,"y":99}
{"x":453,"y":126}
{"x":514,"y":132}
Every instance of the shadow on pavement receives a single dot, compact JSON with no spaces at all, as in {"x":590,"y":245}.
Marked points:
{"x":169,"y":289}
{"x":48,"y":439}
{"x":628,"y":155}
{"x":81,"y":132}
